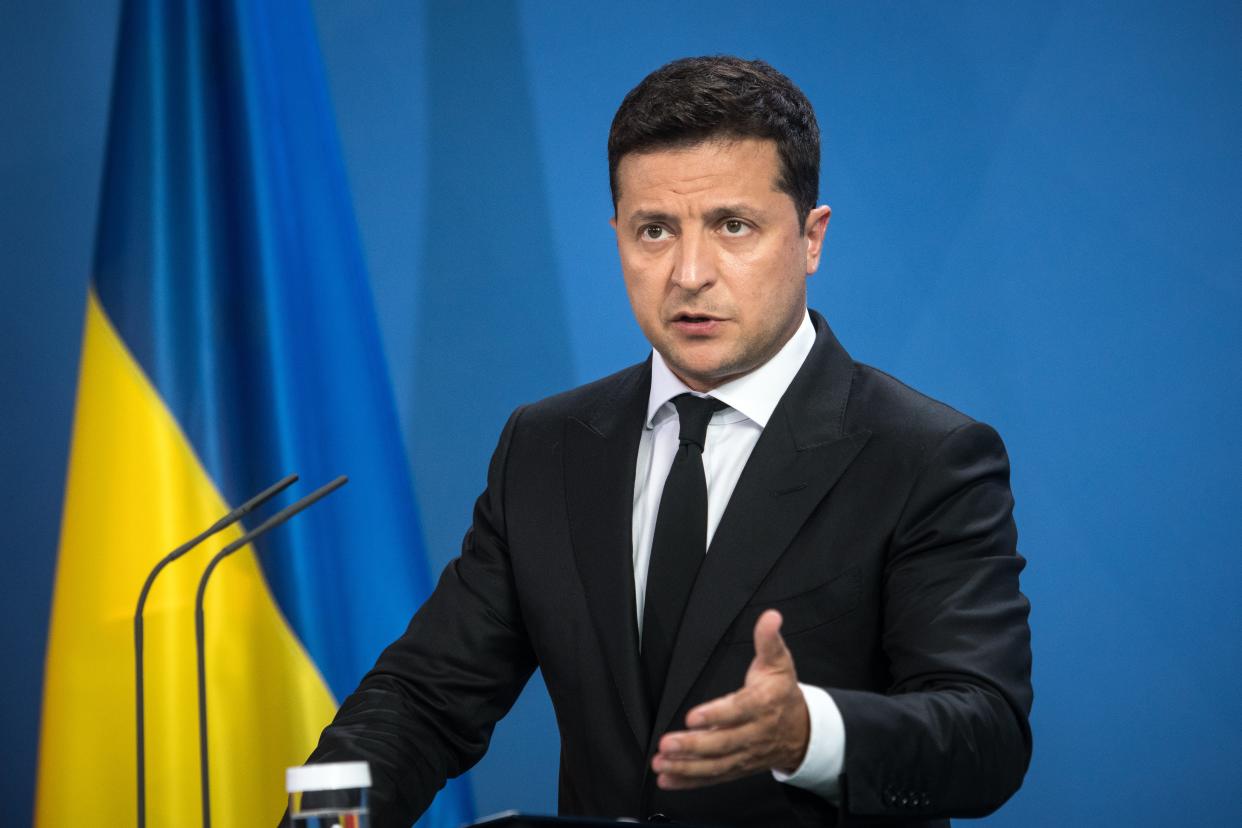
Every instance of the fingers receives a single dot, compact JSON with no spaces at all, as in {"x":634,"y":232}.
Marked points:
{"x":698,"y":758}
{"x":726,"y":711}
{"x":679,"y":774}
{"x":695,"y":759}
{"x":706,"y":744}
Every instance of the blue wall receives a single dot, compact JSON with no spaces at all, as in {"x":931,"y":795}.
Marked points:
{"x":1035,"y":219}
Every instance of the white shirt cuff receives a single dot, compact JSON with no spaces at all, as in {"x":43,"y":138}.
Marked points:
{"x":820,"y":771}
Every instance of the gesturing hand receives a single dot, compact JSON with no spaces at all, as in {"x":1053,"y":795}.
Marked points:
{"x":762,"y":726}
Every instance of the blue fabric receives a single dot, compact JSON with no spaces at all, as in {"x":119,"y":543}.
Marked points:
{"x":229,"y":260}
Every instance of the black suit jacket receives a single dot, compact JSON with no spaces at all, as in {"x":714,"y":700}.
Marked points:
{"x":877,"y":520}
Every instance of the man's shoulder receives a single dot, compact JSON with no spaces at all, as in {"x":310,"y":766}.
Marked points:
{"x":858,"y":398}
{"x":889,"y":402}
{"x":898,"y":414}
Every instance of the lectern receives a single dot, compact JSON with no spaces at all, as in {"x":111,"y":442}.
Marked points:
{"x":513,"y":819}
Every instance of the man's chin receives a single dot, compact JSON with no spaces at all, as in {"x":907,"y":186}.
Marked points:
{"x":704,"y":375}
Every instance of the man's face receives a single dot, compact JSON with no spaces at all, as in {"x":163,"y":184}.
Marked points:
{"x":713,"y":260}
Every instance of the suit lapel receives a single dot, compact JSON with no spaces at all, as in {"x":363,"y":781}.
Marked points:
{"x":601,"y":451}
{"x":800,"y":455}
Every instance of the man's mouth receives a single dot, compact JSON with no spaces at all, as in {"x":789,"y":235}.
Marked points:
{"x":696,"y":324}
{"x":695,"y":317}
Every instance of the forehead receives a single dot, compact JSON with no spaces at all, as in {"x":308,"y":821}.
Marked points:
{"x":729,"y":169}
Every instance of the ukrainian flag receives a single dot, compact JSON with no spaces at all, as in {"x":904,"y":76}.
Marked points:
{"x":230,"y":339}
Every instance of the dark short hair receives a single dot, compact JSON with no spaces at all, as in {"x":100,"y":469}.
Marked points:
{"x":698,"y":99}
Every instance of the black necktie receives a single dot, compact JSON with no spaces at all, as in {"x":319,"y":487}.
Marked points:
{"x":679,"y":544}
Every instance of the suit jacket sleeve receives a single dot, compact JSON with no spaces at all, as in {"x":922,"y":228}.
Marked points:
{"x":425,"y":712}
{"x":950,"y":736}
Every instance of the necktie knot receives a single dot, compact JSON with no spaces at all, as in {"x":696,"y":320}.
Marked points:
{"x":695,"y":413}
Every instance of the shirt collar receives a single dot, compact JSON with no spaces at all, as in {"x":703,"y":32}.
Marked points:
{"x":754,"y":394}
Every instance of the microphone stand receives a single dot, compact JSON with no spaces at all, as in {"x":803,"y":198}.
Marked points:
{"x":223,"y":523}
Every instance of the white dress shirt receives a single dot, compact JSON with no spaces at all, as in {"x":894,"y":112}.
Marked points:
{"x":731,"y":435}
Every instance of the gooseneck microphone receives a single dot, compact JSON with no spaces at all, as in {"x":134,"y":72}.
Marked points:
{"x":272,"y":522}
{"x":223,"y":523}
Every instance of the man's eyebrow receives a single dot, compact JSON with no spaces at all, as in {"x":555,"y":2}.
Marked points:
{"x":725,"y":211}
{"x":651,"y":216}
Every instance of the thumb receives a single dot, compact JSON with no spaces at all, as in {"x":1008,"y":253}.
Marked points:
{"x":770,"y":650}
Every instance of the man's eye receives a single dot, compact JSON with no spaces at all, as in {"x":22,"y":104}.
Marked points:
{"x":735,"y":227}
{"x":654,"y":232}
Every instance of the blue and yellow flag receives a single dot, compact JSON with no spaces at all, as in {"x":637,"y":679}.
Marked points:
{"x":230,"y":339}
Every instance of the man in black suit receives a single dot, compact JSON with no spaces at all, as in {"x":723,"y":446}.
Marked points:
{"x":766,"y":585}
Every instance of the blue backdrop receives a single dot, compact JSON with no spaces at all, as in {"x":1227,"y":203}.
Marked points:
{"x":1034,"y":219}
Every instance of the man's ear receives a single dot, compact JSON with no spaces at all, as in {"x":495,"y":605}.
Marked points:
{"x":815,"y":229}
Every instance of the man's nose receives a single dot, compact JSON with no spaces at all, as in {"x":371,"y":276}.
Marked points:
{"x":695,"y":266}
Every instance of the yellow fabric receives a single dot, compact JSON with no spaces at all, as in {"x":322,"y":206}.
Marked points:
{"x":135,"y":490}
